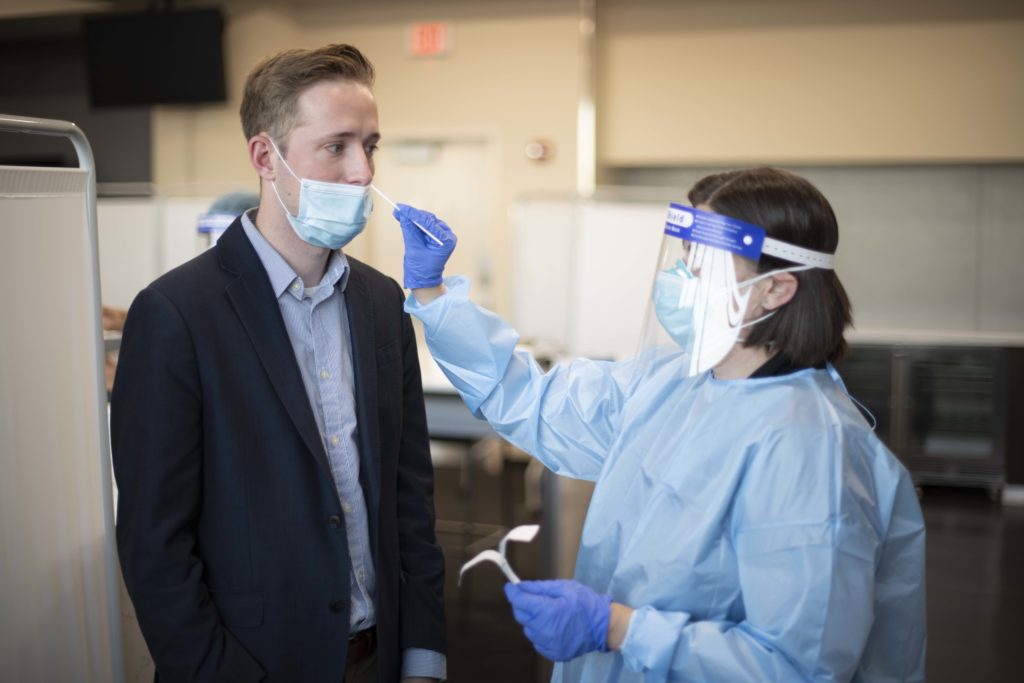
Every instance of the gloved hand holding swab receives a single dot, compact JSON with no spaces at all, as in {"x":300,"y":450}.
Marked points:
{"x":424,"y":230}
{"x":424,"y":260}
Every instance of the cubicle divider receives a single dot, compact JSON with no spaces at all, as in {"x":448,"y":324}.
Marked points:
{"x":60,"y":590}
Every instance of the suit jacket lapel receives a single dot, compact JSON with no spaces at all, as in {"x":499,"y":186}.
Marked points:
{"x":253,"y":300}
{"x":364,"y":362}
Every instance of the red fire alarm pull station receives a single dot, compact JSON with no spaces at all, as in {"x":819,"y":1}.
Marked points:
{"x":429,"y":39}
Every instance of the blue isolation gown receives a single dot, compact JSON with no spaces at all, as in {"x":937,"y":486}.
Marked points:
{"x":759,"y":528}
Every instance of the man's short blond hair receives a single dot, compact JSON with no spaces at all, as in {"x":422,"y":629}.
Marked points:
{"x":272,"y":89}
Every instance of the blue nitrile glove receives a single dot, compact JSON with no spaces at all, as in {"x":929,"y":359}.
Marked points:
{"x":563,"y":619}
{"x":424,"y":258}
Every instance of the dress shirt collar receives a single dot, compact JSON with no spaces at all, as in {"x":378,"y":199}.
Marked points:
{"x":282,"y":277}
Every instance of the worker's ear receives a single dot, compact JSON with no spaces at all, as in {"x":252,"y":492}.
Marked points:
{"x":781,"y":290}
{"x":262,"y":156}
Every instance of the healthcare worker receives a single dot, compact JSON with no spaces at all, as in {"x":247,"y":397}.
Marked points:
{"x":746,"y":524}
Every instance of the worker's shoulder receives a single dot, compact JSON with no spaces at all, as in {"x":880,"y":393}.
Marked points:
{"x":810,"y":407}
{"x":800,"y":398}
{"x":828,"y":420}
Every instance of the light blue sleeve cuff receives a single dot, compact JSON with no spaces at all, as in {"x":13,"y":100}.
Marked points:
{"x":471,"y":345}
{"x":425,"y":663}
{"x":652,"y":639}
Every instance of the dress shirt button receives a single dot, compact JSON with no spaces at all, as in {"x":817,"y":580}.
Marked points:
{"x":335,"y":440}
{"x":324,"y":374}
{"x":334,"y":521}
{"x":337,"y":606}
{"x":346,"y":507}
{"x":296,"y":287}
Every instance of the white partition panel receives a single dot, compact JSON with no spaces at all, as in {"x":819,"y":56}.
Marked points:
{"x":130,"y":247}
{"x":618,"y":253}
{"x":542,"y":271}
{"x":583,"y":273}
{"x":58,"y":620}
{"x":177,"y":218}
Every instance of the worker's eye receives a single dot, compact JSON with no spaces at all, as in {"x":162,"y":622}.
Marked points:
{"x":371,"y":150}
{"x":336,"y":148}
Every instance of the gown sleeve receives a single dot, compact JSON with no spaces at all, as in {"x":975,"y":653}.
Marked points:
{"x":567,"y":417}
{"x":804,"y":530}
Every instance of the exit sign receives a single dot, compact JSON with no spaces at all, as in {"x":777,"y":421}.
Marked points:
{"x":430,"y":39}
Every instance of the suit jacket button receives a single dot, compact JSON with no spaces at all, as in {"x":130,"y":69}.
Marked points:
{"x":334,"y":521}
{"x":337,"y":606}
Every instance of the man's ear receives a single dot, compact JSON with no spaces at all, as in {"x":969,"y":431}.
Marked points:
{"x":782,"y":288}
{"x":261,"y":156}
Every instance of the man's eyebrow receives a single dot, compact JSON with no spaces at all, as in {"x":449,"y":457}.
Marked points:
{"x":348,"y":135}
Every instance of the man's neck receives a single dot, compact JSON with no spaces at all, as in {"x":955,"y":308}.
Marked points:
{"x":308,"y":262}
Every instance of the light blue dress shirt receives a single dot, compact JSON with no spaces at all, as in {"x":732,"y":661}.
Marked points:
{"x":317,"y":325}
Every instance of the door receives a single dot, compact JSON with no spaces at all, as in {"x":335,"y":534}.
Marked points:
{"x":454,"y":178}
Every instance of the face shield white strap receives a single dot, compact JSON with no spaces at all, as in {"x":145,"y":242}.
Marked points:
{"x":789,"y":252}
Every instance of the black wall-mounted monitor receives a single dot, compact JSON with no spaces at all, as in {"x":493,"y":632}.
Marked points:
{"x":169,"y":57}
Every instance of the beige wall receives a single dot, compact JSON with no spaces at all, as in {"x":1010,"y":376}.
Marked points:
{"x":512,"y":77}
{"x":785,"y":81}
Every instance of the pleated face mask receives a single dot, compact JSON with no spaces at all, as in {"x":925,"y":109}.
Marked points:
{"x":330,"y":214}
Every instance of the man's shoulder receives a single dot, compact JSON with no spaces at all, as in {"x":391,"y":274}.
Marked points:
{"x":373,"y":278}
{"x":190,"y":284}
{"x":232,"y":256}
{"x":195,"y":276}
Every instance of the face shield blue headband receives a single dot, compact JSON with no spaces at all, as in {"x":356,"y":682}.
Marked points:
{"x":330,"y":214}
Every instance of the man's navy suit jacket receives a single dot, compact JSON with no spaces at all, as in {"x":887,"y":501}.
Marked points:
{"x":231,"y":537}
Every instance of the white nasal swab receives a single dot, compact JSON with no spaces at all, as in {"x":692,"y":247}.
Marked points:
{"x":521,"y":534}
{"x":425,"y":231}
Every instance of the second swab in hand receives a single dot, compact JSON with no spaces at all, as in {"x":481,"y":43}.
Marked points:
{"x":424,"y":230}
{"x":521,"y":534}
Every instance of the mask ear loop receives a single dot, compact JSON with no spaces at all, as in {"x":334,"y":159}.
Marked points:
{"x":834,"y":374}
{"x":281,"y":157}
{"x":695,"y":260}
{"x":737,"y":301}
{"x":273,"y":186}
{"x":763,"y":276}
{"x":758,"y":278}
{"x":699,"y":300}
{"x":273,"y":183}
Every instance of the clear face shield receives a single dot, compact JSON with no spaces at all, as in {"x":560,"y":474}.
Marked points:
{"x":700,"y":300}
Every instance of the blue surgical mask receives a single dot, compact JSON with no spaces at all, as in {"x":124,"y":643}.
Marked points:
{"x":330,"y":214}
{"x":673,"y":305}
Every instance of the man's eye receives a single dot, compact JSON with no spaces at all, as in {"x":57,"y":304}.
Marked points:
{"x":371,"y":150}
{"x":335,"y":148}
